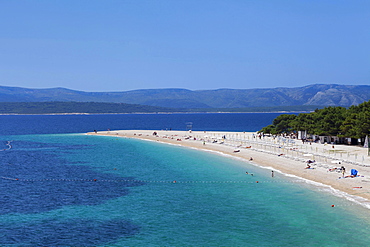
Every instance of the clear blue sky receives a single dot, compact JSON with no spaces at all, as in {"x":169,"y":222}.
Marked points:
{"x":119,"y":45}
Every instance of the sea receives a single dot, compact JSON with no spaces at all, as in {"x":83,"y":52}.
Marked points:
{"x":61,"y":187}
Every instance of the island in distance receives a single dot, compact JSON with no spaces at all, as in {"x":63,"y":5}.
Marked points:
{"x":15,"y":100}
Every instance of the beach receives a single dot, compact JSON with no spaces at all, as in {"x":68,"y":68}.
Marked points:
{"x":289,"y":156}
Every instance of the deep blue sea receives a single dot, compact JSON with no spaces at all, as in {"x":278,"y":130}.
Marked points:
{"x":60,"y":187}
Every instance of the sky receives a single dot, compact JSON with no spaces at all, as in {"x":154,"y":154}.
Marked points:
{"x":121,"y":45}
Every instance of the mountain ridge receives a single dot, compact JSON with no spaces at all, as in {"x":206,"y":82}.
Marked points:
{"x":314,"y":94}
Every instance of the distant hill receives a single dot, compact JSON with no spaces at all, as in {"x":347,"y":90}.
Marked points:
{"x":119,"y":108}
{"x":318,"y":95}
{"x":76,"y":107}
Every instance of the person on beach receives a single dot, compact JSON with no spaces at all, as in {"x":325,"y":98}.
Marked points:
{"x":272,"y":173}
{"x":343,"y":170}
{"x":354,"y":173}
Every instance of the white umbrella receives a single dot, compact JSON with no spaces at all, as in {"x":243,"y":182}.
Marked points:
{"x":335,"y":161}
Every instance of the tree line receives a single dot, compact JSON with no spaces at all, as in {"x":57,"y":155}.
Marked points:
{"x":352,"y":122}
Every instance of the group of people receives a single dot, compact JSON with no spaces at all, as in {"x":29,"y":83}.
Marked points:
{"x":308,"y":163}
{"x":341,"y":170}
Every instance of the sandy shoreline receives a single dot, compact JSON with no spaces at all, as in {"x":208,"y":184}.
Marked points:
{"x":289,"y":157}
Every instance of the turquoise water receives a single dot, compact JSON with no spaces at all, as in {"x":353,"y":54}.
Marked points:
{"x":78,"y":190}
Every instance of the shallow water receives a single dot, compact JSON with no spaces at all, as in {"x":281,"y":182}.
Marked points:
{"x":78,"y":190}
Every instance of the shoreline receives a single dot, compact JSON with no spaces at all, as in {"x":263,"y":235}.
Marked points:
{"x":124,"y":113}
{"x":287,"y":158}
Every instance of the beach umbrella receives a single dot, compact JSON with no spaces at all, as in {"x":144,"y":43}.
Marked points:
{"x":366,"y":144}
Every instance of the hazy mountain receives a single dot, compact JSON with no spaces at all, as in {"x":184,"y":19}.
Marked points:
{"x":318,"y":94}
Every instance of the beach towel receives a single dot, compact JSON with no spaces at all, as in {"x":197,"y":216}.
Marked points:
{"x":354,"y":172}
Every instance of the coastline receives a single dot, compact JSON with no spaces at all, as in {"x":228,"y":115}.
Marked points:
{"x":122,"y":113}
{"x":288,"y":158}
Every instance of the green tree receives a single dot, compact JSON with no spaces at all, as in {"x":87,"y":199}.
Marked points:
{"x":330,"y":121}
{"x":303,"y":122}
{"x":357,"y":121}
{"x":269,"y":129}
{"x":282,"y":124}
